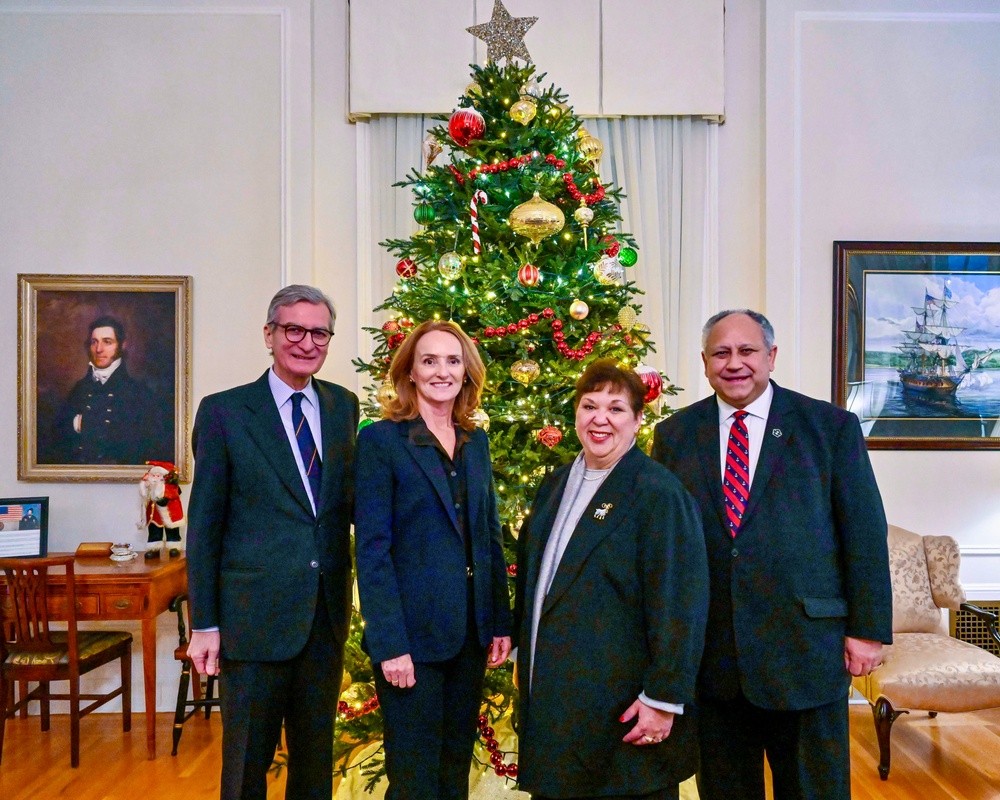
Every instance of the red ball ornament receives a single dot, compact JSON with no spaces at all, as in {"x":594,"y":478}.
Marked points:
{"x":500,"y":770}
{"x":548,"y":313}
{"x":550,"y":436}
{"x":512,"y":570}
{"x":406,"y":323}
{"x":406,"y":268}
{"x":529,"y":275}
{"x":465,"y":125}
{"x":512,"y":328}
{"x":512,"y":770}
{"x":557,"y":324}
{"x":496,"y":758}
{"x":533,"y":318}
{"x":392,"y":326}
{"x":611,"y":245}
{"x":653,"y":380}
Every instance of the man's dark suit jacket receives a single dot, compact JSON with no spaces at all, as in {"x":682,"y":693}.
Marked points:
{"x":625,"y":614}
{"x":255,"y":550}
{"x":411,"y":557}
{"x":123,"y":423}
{"x":809,"y":565}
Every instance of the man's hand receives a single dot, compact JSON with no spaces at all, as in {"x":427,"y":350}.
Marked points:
{"x":399,"y":671}
{"x":861,"y":656}
{"x":499,"y":651}
{"x":204,"y":651}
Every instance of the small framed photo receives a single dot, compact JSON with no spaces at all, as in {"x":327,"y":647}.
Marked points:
{"x":103,"y":376}
{"x":916,"y":351}
{"x":24,"y":527}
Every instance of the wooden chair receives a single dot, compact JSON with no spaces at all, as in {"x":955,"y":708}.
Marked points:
{"x":925,"y":668}
{"x":201,"y":697}
{"x":30,"y":651}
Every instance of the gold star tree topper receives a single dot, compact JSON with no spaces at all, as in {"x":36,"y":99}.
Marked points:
{"x":504,"y":34}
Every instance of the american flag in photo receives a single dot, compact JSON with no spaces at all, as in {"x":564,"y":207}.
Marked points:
{"x":11,"y":513}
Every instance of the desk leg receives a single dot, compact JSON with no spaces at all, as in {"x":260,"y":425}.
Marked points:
{"x":149,"y":681}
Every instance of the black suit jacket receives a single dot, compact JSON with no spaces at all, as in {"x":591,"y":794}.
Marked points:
{"x":411,"y":557}
{"x":809,"y":565}
{"x":255,"y":550}
{"x":625,"y":613}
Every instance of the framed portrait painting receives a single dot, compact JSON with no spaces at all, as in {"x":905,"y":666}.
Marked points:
{"x":24,"y":527}
{"x":917,"y":342}
{"x":103,"y":366}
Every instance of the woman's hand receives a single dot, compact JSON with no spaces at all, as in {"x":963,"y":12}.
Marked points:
{"x":499,"y":651}
{"x":399,"y":671}
{"x":651,"y":727}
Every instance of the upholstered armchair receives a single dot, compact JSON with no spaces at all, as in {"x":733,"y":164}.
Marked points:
{"x":925,"y":668}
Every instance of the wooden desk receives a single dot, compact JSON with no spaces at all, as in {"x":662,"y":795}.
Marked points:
{"x":133,"y":590}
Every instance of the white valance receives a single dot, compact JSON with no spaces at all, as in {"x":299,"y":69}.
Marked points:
{"x":612,"y":57}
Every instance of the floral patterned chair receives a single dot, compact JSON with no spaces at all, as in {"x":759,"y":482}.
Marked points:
{"x":925,"y":668}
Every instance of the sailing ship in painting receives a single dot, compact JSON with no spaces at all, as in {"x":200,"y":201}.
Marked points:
{"x":934,"y":363}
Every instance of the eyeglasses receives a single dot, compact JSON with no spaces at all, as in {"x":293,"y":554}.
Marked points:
{"x":296,"y":333}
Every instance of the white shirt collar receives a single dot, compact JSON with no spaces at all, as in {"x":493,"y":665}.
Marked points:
{"x":760,"y":407}
{"x":282,"y":392}
{"x":102,"y":375}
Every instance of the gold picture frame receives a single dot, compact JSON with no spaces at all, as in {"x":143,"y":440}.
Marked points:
{"x":71,"y":426}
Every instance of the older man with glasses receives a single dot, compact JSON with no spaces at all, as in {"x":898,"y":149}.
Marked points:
{"x":269,"y":563}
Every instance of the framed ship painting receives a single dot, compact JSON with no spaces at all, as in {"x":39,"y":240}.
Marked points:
{"x":917,"y":342}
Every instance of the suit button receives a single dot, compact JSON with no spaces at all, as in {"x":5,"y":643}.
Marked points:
{"x":458,"y":506}
{"x":454,"y":474}
{"x":735,"y":552}
{"x":314,"y":564}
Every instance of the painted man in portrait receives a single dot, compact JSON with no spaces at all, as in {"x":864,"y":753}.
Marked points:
{"x":109,"y":416}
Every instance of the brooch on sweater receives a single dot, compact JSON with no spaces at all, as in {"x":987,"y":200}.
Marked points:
{"x":602,"y":512}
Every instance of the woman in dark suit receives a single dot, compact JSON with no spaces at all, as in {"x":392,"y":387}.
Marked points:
{"x":431,"y":571}
{"x":612,"y":600}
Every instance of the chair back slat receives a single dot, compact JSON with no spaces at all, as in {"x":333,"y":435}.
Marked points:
{"x":28,"y":594}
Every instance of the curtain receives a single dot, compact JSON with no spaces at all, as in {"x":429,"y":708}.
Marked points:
{"x":667,"y":167}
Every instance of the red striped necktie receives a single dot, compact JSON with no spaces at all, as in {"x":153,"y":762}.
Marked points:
{"x":736,"y":480}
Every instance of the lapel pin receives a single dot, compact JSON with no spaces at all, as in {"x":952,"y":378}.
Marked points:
{"x":602,"y":512}
{"x":776,"y":433}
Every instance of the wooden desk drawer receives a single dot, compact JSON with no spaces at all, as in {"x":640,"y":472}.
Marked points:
{"x":86,"y":605}
{"x":121,"y":606}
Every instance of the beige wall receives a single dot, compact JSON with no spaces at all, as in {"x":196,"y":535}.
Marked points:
{"x":209,"y":142}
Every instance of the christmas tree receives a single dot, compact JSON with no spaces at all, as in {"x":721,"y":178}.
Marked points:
{"x":519,"y":245}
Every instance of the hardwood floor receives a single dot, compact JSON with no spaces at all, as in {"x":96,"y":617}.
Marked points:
{"x":952,"y":757}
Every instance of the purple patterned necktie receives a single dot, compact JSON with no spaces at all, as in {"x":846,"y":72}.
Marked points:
{"x":736,"y":481}
{"x":307,"y":447}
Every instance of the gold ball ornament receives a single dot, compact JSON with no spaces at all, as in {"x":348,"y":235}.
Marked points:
{"x":558,"y":109}
{"x":345,"y":681}
{"x":450,"y":265}
{"x":480,"y":419}
{"x":578,"y":309}
{"x":474,"y":90}
{"x":525,"y":371}
{"x":641,"y":330}
{"x":537,"y":219}
{"x":386,"y":393}
{"x":357,"y":694}
{"x":523,"y":111}
{"x":590,"y":147}
{"x":627,"y":317}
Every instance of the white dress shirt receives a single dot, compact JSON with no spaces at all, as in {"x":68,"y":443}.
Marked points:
{"x":282,"y":394}
{"x":756,"y":422}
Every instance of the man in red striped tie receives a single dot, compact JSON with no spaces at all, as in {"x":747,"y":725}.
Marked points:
{"x":800,"y":595}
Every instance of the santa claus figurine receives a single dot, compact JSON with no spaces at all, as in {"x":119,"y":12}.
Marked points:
{"x":162,"y":512}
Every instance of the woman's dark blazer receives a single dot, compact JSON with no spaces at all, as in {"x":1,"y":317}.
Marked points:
{"x":625,"y":613}
{"x":410,"y":555}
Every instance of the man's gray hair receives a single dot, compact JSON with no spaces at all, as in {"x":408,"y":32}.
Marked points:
{"x":298,"y":293}
{"x":756,"y":316}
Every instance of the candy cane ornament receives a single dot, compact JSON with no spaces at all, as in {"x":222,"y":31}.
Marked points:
{"x":478,"y":196}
